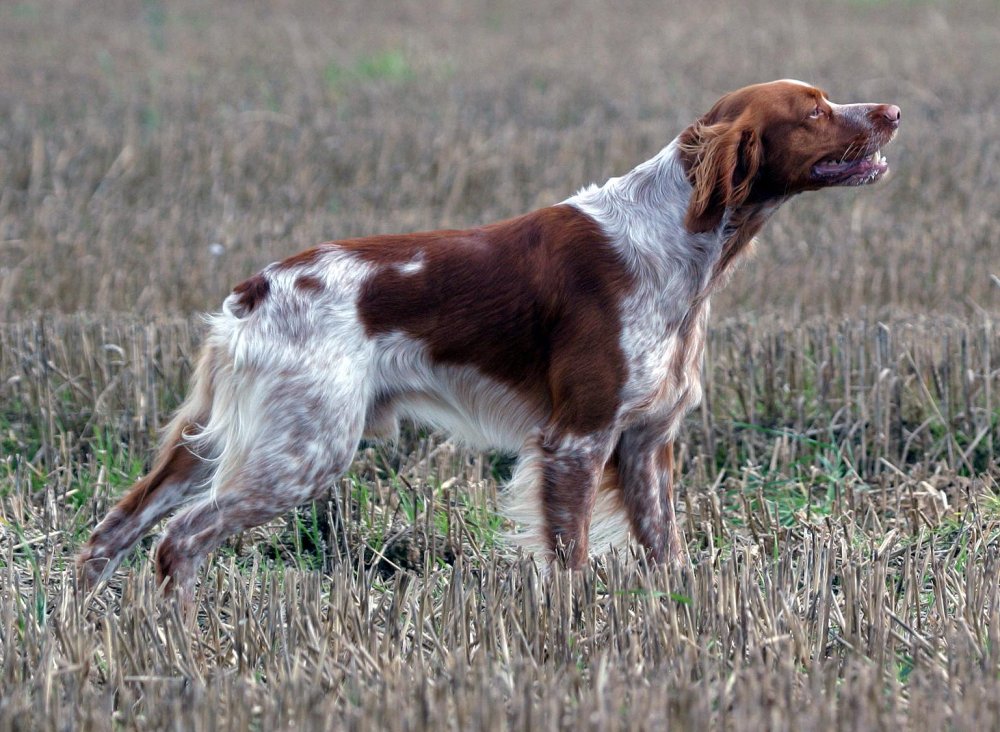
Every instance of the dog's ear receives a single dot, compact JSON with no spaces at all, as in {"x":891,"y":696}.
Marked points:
{"x":723,"y":160}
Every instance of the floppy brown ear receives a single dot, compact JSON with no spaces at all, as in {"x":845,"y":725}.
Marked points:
{"x":724,"y":159}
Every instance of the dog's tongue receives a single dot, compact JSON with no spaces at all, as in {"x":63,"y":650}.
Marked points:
{"x":836,"y":167}
{"x":832,"y":166}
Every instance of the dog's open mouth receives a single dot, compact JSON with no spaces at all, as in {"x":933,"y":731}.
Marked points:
{"x":855,"y":172}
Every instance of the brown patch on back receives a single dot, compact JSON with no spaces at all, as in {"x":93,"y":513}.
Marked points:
{"x":309,"y":283}
{"x":532,"y":302}
{"x":252,"y":293}
{"x":303,"y":258}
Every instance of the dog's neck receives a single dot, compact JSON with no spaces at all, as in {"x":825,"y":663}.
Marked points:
{"x":643,"y":212}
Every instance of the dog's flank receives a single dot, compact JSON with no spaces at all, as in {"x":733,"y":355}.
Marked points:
{"x":572,"y":335}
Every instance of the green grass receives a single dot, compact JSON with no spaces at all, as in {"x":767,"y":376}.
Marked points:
{"x":390,"y":66}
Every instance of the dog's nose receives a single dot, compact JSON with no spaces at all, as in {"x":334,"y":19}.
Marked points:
{"x":891,"y":113}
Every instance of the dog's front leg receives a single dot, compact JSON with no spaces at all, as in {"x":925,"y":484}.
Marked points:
{"x":645,"y":469}
{"x":571,"y":471}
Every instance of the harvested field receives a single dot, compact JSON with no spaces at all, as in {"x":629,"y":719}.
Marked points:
{"x":840,"y":485}
{"x":841,"y":509}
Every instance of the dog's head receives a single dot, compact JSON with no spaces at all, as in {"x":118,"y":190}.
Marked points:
{"x":770,"y":141}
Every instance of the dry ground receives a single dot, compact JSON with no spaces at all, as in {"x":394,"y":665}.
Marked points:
{"x":840,"y":483}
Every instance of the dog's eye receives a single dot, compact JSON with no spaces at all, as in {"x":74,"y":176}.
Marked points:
{"x":816,"y":113}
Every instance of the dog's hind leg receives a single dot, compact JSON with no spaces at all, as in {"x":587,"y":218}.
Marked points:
{"x":302,"y":437}
{"x":181,"y":470}
{"x":178,"y":474}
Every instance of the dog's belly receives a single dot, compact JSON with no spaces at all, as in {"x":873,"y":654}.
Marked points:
{"x":484,"y":415}
{"x":473,"y":408}
{"x":485,"y":429}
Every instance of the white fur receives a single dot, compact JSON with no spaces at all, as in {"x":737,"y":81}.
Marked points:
{"x":413,"y":266}
{"x":258,"y":365}
{"x":797,"y":83}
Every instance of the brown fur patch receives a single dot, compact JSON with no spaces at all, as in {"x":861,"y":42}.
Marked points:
{"x":532,"y":302}
{"x":168,"y":560}
{"x":304,"y":258}
{"x":309,"y":283}
{"x":252,"y":293}
{"x":177,"y":462}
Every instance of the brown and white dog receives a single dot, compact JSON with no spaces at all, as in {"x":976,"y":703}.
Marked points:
{"x":572,"y":335}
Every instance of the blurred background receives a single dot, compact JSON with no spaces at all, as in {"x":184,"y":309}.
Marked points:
{"x":153,"y":154}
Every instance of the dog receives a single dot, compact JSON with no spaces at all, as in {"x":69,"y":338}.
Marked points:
{"x":572,"y":335}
